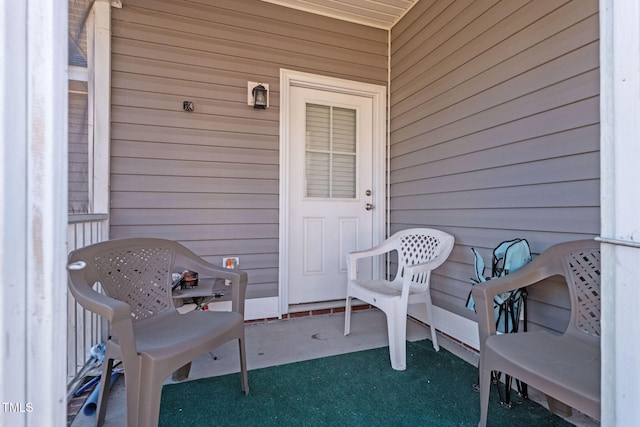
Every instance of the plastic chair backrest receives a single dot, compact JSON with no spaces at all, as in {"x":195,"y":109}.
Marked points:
{"x":417,"y":246}
{"x":583,"y":271}
{"x":144,"y":265}
{"x":146,"y":269}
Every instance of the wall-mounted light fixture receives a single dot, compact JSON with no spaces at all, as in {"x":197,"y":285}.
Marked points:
{"x":258,"y":95}
{"x":188,"y":106}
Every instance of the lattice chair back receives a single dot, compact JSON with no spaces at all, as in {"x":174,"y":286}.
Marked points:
{"x":139,"y":276}
{"x":583,"y":271}
{"x":417,"y":246}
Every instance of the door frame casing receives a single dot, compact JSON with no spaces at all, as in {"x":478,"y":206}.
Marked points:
{"x":377,"y":94}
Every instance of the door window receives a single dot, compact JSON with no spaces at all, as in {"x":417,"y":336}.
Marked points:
{"x":330,"y":152}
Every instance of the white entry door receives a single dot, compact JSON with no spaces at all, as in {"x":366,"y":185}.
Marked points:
{"x":331,"y":191}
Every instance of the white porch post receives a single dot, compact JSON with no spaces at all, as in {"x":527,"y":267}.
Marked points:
{"x":33,"y":212}
{"x":620,"y":206}
{"x":100,"y":73}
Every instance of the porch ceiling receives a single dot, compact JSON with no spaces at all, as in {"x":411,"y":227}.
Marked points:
{"x":373,"y":13}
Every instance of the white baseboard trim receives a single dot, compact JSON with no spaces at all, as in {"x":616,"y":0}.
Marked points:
{"x":254,"y":309}
{"x":454,"y":325}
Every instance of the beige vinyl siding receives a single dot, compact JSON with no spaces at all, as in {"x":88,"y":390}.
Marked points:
{"x":78,"y":120}
{"x":209,"y":178}
{"x":495,"y":131}
{"x":78,"y":147}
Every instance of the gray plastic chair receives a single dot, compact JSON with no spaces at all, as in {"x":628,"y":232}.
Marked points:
{"x":150,"y":337}
{"x":566,"y":367}
{"x":420,"y":250}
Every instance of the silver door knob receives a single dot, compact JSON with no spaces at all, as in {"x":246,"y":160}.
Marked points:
{"x":368,"y":206}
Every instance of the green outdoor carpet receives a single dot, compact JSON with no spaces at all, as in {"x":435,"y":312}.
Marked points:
{"x":355,"y":389}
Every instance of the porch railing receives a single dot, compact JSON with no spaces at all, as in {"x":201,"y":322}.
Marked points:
{"x":84,"y":329}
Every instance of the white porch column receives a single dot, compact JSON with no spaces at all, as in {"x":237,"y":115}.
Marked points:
{"x":100,"y":85}
{"x":620,"y":207}
{"x":33,"y":212}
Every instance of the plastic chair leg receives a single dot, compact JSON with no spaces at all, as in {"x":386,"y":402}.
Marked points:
{"x":347,"y":316}
{"x":132,"y":393}
{"x":432,"y":326}
{"x":149,"y":400}
{"x":103,"y":396}
{"x":243,"y":366}
{"x":485,"y":388}
{"x":397,"y":329}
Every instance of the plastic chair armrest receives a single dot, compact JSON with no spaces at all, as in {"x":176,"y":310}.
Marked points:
{"x":380,"y":249}
{"x":103,"y":305}
{"x":353,"y":257}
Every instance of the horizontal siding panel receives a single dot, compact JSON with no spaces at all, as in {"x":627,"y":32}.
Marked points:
{"x":570,"y":168}
{"x":486,"y":239}
{"x":189,"y":216}
{"x":172,"y":30}
{"x":176,"y":184}
{"x":237,"y":247}
{"x":180,"y":119}
{"x":568,"y":219}
{"x":571,"y":116}
{"x":216,"y":83}
{"x":201,"y":232}
{"x":210,"y":178}
{"x":195,"y":169}
{"x":249,"y":15}
{"x":263,"y":251}
{"x":209,"y":112}
{"x":146,"y":91}
{"x":462,"y":23}
{"x":268,"y":65}
{"x":559,"y":69}
{"x":125,"y":133}
{"x":448,"y":126}
{"x":138,"y":152}
{"x":198,"y":60}
{"x":493,"y":80}
{"x":209,"y":200}
{"x":207,"y":244}
{"x":572,"y":193}
{"x":78,"y":148}
{"x":458,"y":44}
{"x":262,"y":290}
{"x":574,"y":96}
{"x":494,"y":124}
{"x":555,"y":145}
{"x":540,"y":42}
{"x":427,"y":17}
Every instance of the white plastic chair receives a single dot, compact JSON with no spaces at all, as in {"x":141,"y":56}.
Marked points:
{"x":419,"y":250}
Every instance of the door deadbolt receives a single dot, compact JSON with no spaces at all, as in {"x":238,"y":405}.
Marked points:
{"x":367,"y":193}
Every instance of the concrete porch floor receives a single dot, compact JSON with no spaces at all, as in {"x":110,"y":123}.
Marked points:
{"x":285,"y":341}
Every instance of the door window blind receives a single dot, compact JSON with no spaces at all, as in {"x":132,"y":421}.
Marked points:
{"x":330,"y":152}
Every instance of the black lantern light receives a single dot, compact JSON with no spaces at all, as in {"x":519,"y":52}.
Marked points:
{"x":259,"y":97}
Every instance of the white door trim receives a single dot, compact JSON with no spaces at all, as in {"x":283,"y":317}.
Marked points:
{"x":377,"y":93}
